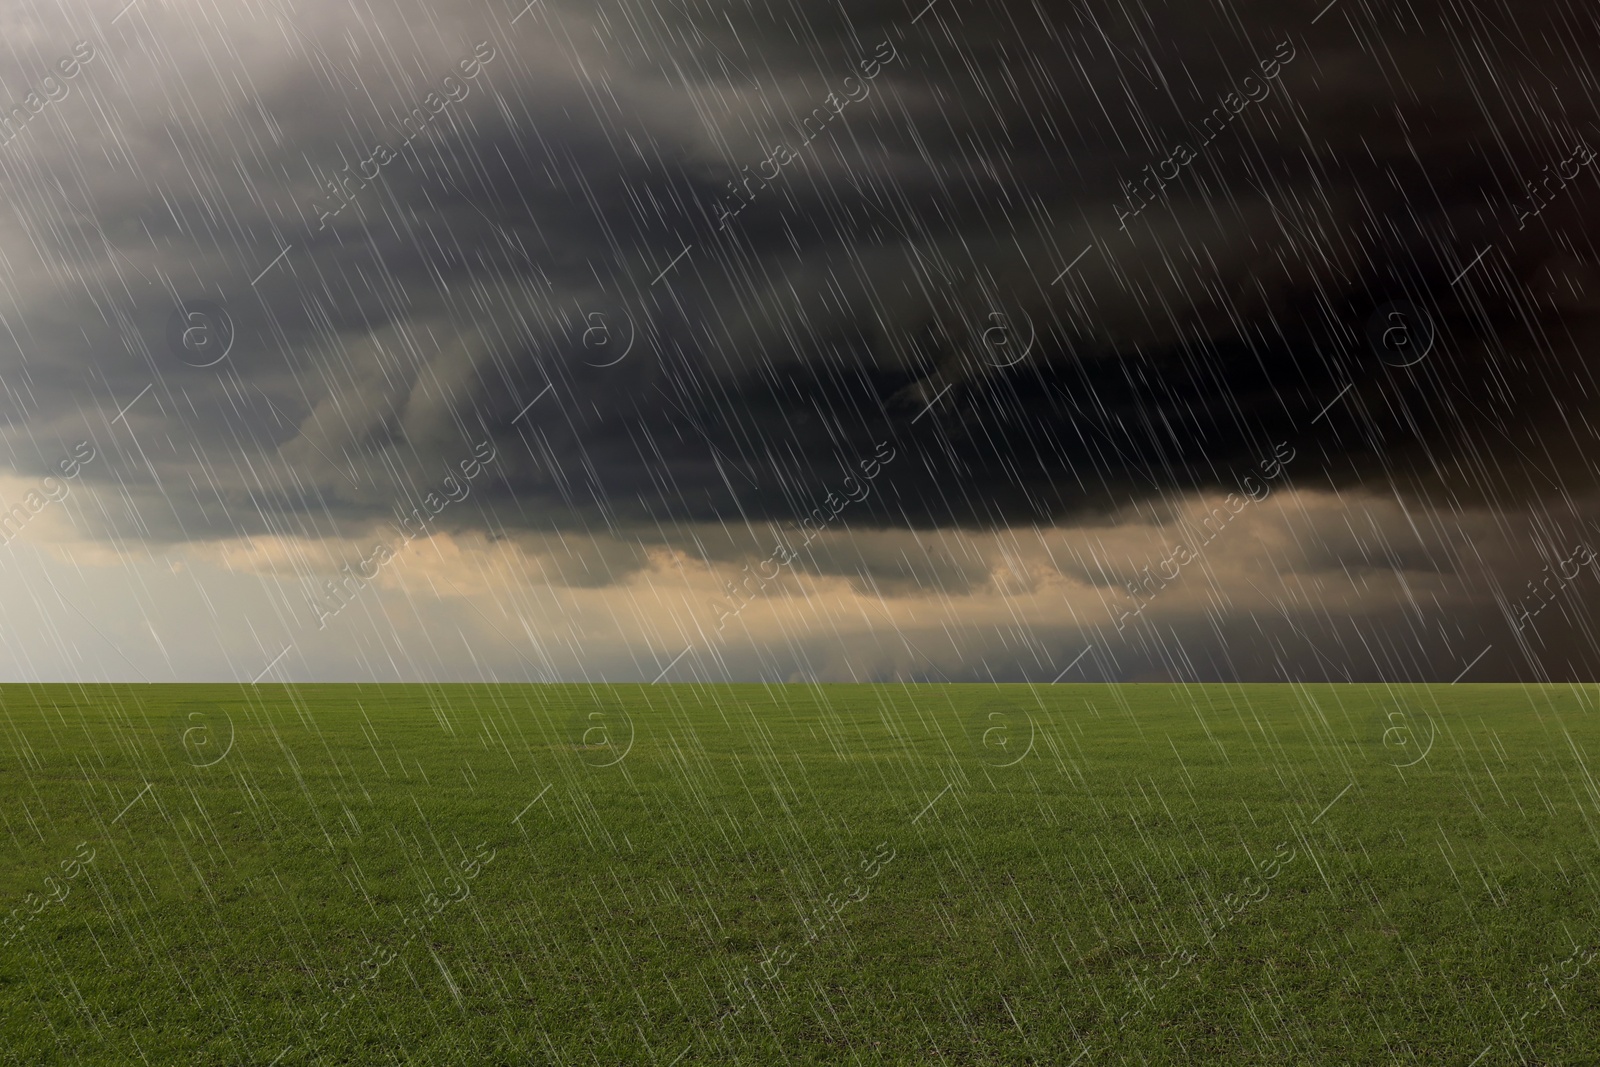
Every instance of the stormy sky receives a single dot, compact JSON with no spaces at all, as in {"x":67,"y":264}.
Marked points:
{"x":798,"y":341}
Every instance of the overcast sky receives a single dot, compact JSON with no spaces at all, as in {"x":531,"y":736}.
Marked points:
{"x":797,"y":341}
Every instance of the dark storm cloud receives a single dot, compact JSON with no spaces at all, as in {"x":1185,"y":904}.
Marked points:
{"x":565,"y":213}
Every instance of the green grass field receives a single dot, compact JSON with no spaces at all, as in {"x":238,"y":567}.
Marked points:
{"x":791,"y":875}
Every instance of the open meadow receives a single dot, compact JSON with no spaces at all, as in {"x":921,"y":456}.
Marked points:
{"x":678,"y":874}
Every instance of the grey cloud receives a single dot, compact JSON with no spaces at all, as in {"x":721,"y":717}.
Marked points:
{"x":596,"y":194}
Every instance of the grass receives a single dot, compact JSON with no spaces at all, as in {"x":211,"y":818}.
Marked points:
{"x":791,"y":875}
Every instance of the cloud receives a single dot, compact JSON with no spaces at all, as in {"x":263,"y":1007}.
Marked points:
{"x":944,"y":268}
